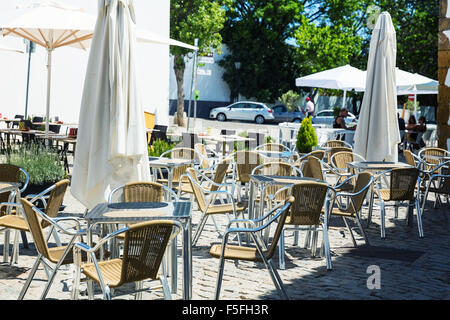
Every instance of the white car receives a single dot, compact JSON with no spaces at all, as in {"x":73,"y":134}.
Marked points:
{"x":327,"y":117}
{"x":243,"y":110}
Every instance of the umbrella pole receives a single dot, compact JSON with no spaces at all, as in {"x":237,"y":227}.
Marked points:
{"x":343,"y":101}
{"x":49,"y":79}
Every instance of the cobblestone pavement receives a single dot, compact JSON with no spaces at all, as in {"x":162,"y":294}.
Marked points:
{"x":411,"y":268}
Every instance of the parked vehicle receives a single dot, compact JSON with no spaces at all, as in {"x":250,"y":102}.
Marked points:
{"x":282,"y":114}
{"x":327,"y":117}
{"x":243,"y":110}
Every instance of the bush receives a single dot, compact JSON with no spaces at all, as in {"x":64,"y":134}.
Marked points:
{"x":42,"y":164}
{"x":290,"y":99}
{"x":158,"y":147}
{"x":306,"y":137}
{"x":336,"y":111}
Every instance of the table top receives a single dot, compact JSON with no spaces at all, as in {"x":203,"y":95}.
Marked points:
{"x":270,"y":179}
{"x":167,"y":162}
{"x":377,"y":165}
{"x":138,"y":211}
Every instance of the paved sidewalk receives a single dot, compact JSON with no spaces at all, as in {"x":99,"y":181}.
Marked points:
{"x":410,"y":267}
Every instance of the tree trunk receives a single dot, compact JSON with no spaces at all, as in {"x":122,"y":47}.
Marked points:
{"x":179,"y":68}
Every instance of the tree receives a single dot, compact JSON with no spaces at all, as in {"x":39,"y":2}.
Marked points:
{"x":189,"y":20}
{"x":256,"y":32}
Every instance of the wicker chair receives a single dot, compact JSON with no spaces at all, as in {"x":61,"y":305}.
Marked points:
{"x":401,"y":188}
{"x":339,"y":161}
{"x":438,"y":182}
{"x":206,"y":162}
{"x":352,"y":210}
{"x":336,"y":143}
{"x":319,"y":154}
{"x":312,"y":168}
{"x":52,"y":203}
{"x":245,"y":162}
{"x":272,"y":147}
{"x":207,"y":205}
{"x":144,"y":247}
{"x":179,"y":153}
{"x":11,"y":173}
{"x":60,"y":255}
{"x":257,"y":254}
{"x":427,"y":154}
{"x":306,"y":211}
{"x":216,"y":182}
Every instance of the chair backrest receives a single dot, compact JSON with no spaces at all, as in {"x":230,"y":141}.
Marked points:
{"x":437,"y":152}
{"x":198,"y":194}
{"x":281,"y":216}
{"x":220,"y":173}
{"x":37,"y":119}
{"x":149,"y":119}
{"x":312,"y":168}
{"x":55,"y":200}
{"x":181,"y":153}
{"x":159,"y":133}
{"x":339,"y":149}
{"x":341,"y":158}
{"x":143,"y":192}
{"x":35,"y":228}
{"x":144,"y":247}
{"x":275,"y":168}
{"x":334,"y":143}
{"x":272,"y":147}
{"x":19,"y":116}
{"x":409,"y":158}
{"x":362,"y":181}
{"x":201,"y":148}
{"x":403,"y":183}
{"x":246,"y":161}
{"x":8,"y":173}
{"x":308,"y":204}
{"x":54,"y":128}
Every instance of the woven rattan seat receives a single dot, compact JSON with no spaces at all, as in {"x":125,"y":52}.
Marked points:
{"x":144,"y":247}
{"x":235,"y":253}
{"x":14,"y":222}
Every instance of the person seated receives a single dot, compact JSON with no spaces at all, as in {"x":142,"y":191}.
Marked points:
{"x":414,"y":129}
{"x":339,"y":121}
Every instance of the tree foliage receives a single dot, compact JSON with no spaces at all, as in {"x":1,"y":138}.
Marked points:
{"x":189,"y":20}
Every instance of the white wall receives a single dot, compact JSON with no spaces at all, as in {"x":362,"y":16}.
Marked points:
{"x":69,"y":67}
{"x":212,"y":88}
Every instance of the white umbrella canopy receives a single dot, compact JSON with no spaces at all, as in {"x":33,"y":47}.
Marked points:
{"x":377,"y":134}
{"x":341,"y":78}
{"x":111,"y":142}
{"x":10,"y":49}
{"x":52,"y":25}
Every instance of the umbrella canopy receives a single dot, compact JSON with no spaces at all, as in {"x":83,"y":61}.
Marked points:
{"x":52,"y":25}
{"x":7,"y":48}
{"x":341,"y":78}
{"x":377,"y":134}
{"x":111,"y":142}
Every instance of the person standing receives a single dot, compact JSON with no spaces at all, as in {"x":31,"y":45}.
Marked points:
{"x":309,"y":107}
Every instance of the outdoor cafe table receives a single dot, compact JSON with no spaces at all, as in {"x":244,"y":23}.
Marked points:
{"x":224,"y":139}
{"x":134,"y":212}
{"x":285,"y":155}
{"x":379,"y":166}
{"x":169,"y":164}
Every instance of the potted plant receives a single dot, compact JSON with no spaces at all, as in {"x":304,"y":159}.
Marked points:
{"x":306,"y":137}
{"x":42,"y":164}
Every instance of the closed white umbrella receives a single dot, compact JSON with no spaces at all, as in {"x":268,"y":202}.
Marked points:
{"x":341,"y":78}
{"x":111,"y":142}
{"x":377,"y":134}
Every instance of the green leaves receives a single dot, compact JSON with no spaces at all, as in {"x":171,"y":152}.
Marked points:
{"x":306,"y":137}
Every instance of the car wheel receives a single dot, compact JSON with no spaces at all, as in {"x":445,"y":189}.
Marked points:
{"x":297,"y":120}
{"x":221,"y":117}
{"x":259,"y":119}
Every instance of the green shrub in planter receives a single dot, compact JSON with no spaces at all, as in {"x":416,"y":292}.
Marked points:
{"x":42,"y":164}
{"x":306,"y":137}
{"x":158,"y":147}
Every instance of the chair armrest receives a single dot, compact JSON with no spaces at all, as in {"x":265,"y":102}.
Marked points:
{"x":87,"y":248}
{"x":345,"y":181}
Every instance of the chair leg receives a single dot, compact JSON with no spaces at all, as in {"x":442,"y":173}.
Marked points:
{"x":350,"y":230}
{"x":419,"y":219}
{"x":220,"y":276}
{"x":6,"y":246}
{"x":307,"y":238}
{"x":281,"y":251}
{"x":326,"y":246}
{"x":15,"y":252}
{"x":383,"y":219}
{"x":199,"y":230}
{"x":363,"y":233}
{"x":30,"y":277}
{"x":296,"y":238}
{"x":276,"y":280}
{"x":165,"y":286}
